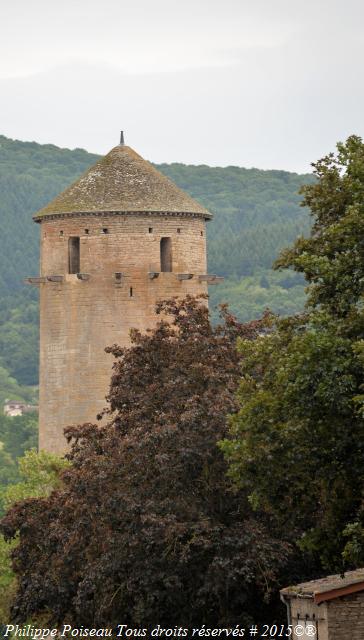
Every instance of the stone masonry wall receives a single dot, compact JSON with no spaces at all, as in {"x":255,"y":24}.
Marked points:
{"x":79,"y":318}
{"x":346,"y":617}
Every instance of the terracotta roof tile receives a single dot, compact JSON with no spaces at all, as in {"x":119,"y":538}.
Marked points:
{"x":324,"y":585}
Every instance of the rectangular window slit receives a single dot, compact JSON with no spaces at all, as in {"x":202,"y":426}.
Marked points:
{"x":131,"y":292}
{"x":61,"y":233}
{"x":74,"y":254}
{"x":150,"y":229}
{"x":166,"y":254}
{"x":105,"y":230}
{"x":86,"y":231}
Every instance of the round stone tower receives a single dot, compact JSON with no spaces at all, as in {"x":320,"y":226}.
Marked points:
{"x":115,"y":242}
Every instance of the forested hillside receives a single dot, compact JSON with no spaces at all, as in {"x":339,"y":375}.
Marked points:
{"x":30,"y":175}
{"x":256,"y":213}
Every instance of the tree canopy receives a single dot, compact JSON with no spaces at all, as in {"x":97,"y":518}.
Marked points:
{"x":146,"y":528}
{"x":301,"y":394}
{"x":39,"y":474}
{"x":17,"y":435}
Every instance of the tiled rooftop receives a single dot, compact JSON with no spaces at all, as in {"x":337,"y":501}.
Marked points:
{"x":323,"y":585}
{"x":122,"y":181}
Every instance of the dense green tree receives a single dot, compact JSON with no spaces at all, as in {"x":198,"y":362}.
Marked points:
{"x":39,"y":475}
{"x":18,"y":434}
{"x":332,"y":257}
{"x":19,"y":338}
{"x":8,"y":469}
{"x":30,"y":175}
{"x":146,"y":528}
{"x":297,"y":443}
{"x":10,"y":389}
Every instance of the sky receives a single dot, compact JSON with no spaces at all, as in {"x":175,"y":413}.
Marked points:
{"x":272,"y":84}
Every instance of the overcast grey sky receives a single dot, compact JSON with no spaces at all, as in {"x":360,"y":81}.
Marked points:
{"x":265,"y":83}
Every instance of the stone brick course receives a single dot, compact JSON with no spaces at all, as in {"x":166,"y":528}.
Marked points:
{"x":79,"y":318}
{"x":346,"y":617}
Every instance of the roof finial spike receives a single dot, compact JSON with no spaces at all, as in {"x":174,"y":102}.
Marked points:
{"x":121,"y":138}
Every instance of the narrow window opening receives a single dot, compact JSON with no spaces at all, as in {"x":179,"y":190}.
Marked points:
{"x":178,"y":230}
{"x":202,"y":233}
{"x":61,"y":233}
{"x":166,"y":254}
{"x":86,"y":231}
{"x":74,"y":255}
{"x":105,"y":231}
{"x":131,"y":292}
{"x":150,"y":229}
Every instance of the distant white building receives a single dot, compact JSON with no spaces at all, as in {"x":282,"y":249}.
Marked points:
{"x":14,"y":408}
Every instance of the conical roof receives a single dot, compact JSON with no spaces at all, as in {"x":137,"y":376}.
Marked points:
{"x":122,"y":181}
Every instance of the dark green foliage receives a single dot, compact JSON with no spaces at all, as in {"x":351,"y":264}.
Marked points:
{"x":283,"y":293}
{"x":19,"y":339}
{"x":8,"y":470}
{"x":301,"y":397}
{"x":9,"y":388}
{"x":38,"y":475}
{"x":30,"y":175}
{"x":256,"y":214}
{"x":17,"y":435}
{"x":147,"y":529}
{"x":332,"y":257}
